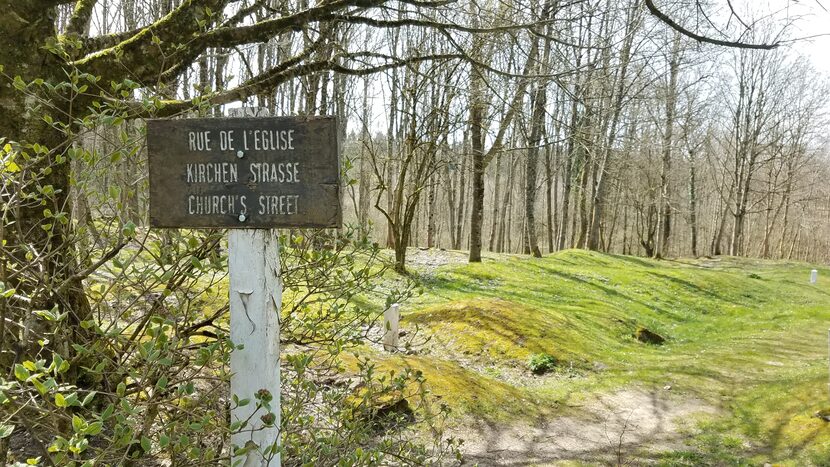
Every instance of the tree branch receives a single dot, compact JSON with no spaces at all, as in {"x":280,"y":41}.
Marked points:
{"x":263,"y":30}
{"x":86,"y":272}
{"x":81,"y":15}
{"x":709,"y":40}
{"x":98,"y":43}
{"x":143,"y":55}
{"x":291,"y":69}
{"x":164,"y":39}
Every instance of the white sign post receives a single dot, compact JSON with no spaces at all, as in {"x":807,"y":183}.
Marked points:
{"x":255,"y":300}
{"x":391,"y":326}
{"x":255,"y":296}
{"x":813,"y":276}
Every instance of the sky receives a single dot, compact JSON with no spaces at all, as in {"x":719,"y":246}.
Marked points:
{"x":818,"y":48}
{"x":805,"y":21}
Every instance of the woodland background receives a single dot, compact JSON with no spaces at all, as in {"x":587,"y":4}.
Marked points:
{"x":597,"y":128}
{"x":663,"y":129}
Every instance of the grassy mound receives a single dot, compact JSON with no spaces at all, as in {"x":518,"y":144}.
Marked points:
{"x":747,"y":336}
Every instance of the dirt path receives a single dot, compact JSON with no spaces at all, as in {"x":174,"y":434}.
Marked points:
{"x":619,"y":428}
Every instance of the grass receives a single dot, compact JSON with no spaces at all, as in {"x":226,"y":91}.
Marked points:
{"x":746,"y":336}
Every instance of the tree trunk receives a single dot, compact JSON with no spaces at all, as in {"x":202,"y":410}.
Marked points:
{"x":25,"y":33}
{"x":504,"y":224}
{"x":549,"y":203}
{"x":496,"y":198}
{"x":717,"y":240}
{"x":390,"y":148}
{"x":477,"y":142}
{"x":449,"y":189}
{"x":431,"y":216}
{"x":363,"y":193}
{"x":664,"y":227}
{"x":693,"y":200}
{"x":584,"y":195}
{"x":537,"y":121}
{"x":461,"y":206}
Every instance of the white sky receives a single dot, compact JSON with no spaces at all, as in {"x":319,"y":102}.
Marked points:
{"x":818,"y":48}
{"x":808,"y":21}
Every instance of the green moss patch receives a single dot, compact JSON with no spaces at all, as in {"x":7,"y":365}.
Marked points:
{"x":494,"y":331}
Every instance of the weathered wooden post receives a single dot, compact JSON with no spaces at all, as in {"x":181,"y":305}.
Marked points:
{"x":252,"y":175}
{"x":255,"y":298}
{"x":391,"y":326}
{"x":255,"y":291}
{"x":813,"y":276}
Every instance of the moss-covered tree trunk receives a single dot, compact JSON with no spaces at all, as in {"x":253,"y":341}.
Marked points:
{"x":43,"y":268}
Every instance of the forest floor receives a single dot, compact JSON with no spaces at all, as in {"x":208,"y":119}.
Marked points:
{"x":741,"y":373}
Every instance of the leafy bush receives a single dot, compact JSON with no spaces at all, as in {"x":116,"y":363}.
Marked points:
{"x":542,"y":363}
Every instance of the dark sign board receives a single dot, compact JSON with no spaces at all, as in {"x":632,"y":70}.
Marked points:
{"x":259,"y":172}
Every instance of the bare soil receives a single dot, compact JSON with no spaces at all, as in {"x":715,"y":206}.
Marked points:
{"x":623,"y":428}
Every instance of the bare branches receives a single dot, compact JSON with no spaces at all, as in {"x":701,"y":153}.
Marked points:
{"x":297,"y":67}
{"x":701,"y":38}
{"x":54,"y":3}
{"x":736,"y":15}
{"x":428,"y":23}
{"x":263,"y":30}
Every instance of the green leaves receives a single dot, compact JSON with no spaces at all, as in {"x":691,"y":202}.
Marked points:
{"x":19,"y":84}
{"x":89,"y":397}
{"x":128,"y":229}
{"x":161,"y":385}
{"x":78,"y":424}
{"x":8,"y":156}
{"x":94,"y":428}
{"x":146,"y":444}
{"x":6,"y":430}
{"x":20,"y":372}
{"x":51,"y":315}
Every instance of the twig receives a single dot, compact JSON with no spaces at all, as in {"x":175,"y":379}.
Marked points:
{"x":86,"y":272}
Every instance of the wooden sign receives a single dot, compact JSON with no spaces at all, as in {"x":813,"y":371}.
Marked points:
{"x":259,"y":172}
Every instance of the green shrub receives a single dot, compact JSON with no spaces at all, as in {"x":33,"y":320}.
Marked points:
{"x":542,"y":363}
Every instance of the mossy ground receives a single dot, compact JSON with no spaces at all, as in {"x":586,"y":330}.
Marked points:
{"x":748,"y":337}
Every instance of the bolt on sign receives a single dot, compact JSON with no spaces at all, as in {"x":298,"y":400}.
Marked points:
{"x":258,"y":172}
